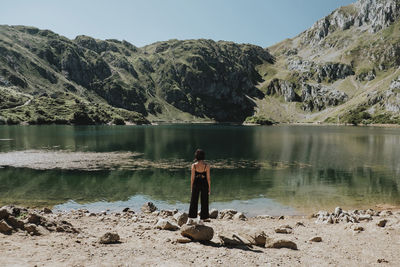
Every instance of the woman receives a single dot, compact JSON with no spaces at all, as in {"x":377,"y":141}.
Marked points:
{"x":200,"y":184}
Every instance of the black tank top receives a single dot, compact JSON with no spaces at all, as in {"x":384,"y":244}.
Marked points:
{"x":200,"y":175}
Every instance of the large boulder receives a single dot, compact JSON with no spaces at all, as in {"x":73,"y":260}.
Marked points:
{"x":197,"y":232}
{"x":163,"y":224}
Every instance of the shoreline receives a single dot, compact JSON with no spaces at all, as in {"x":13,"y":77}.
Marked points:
{"x":76,"y":238}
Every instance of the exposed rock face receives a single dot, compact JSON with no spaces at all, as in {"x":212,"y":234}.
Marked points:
{"x":333,"y":72}
{"x":318,"y":97}
{"x":283,"y":88}
{"x":376,"y":14}
{"x":197,"y":232}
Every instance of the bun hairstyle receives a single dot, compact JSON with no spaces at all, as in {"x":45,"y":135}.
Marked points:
{"x":199,"y":155}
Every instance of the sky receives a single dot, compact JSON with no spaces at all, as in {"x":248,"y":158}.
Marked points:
{"x":142,"y":22}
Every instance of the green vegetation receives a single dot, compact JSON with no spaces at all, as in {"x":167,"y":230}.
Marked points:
{"x":261,"y":120}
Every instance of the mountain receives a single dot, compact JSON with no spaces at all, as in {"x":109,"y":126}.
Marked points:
{"x":344,"y":69}
{"x":47,"y":78}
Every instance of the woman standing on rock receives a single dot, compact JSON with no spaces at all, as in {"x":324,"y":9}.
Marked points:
{"x":200,"y":184}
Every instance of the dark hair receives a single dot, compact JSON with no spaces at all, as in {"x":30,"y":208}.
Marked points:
{"x":199,"y":154}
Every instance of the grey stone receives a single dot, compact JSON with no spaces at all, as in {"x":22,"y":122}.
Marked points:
{"x":109,"y":238}
{"x":197,"y":232}
{"x":338,"y":211}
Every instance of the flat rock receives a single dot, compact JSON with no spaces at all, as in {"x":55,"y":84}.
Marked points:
{"x":197,"y":232}
{"x":148,"y":207}
{"x":213,"y":214}
{"x":281,"y":243}
{"x":283,"y":229}
{"x":109,"y":238}
{"x":181,"y":218}
{"x":164,"y":224}
{"x":183,"y":240}
{"x":233,"y":239}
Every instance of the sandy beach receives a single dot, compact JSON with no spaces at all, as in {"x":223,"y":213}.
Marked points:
{"x":340,"y":238}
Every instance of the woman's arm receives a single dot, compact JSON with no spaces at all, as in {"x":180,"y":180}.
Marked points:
{"x":209,"y":179}
{"x":192,"y":178}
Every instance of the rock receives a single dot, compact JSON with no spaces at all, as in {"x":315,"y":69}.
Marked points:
{"x":181,"y":218}
{"x":168,"y":213}
{"x":300,"y":224}
{"x":256,"y":237}
{"x":31,"y":229}
{"x":283,"y":229}
{"x":283,"y":88}
{"x":163,"y":224}
{"x":233,"y":240}
{"x":239,"y":216}
{"x":126,"y":210}
{"x":15,"y":223}
{"x":358,"y":229}
{"x":5,"y":228}
{"x":281,"y":217}
{"x":4,"y":213}
{"x":109,"y":238}
{"x":319,"y":97}
{"x":227,"y":214}
{"x":213,"y":214}
{"x":148,"y":207}
{"x":386,"y":213}
{"x":281,"y":243}
{"x":365,"y":217}
{"x":338,"y":211}
{"x":183,"y":240}
{"x":47,"y":211}
{"x":265,"y":217}
{"x":382,"y":223}
{"x":35,"y":219}
{"x":197,"y":232}
{"x":316,"y":239}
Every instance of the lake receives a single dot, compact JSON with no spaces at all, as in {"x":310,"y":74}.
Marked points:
{"x":286,"y":169}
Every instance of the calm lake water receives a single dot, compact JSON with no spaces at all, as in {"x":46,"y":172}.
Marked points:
{"x":268,"y":170}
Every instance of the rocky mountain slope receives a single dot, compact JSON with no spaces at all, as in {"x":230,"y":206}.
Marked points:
{"x":344,"y":69}
{"x":90,"y":81}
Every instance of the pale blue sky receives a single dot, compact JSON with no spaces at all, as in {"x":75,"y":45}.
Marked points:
{"x":141,"y":22}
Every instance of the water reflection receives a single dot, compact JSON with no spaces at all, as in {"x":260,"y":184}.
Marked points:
{"x":348,"y":166}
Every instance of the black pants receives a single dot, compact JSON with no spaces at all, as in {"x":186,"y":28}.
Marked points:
{"x":200,"y":186}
